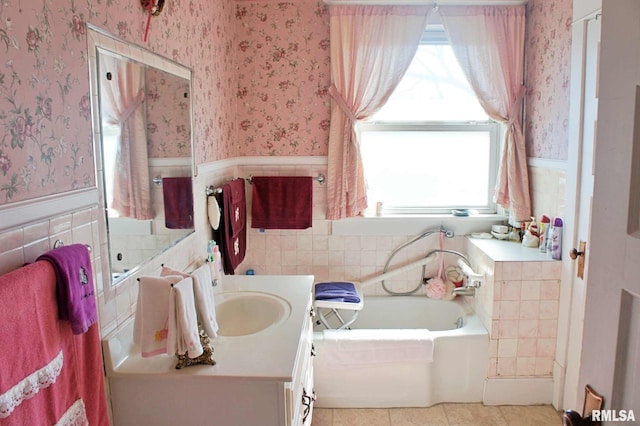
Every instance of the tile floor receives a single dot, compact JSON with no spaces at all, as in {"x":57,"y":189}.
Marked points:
{"x":440,"y":415}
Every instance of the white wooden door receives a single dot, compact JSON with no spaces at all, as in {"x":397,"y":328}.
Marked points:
{"x":610,"y":359}
{"x":585,"y":59}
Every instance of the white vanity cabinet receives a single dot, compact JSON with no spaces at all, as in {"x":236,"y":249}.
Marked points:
{"x":299,"y":393}
{"x":261,"y":379}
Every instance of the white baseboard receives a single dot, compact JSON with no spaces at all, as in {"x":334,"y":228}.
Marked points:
{"x":526,"y":391}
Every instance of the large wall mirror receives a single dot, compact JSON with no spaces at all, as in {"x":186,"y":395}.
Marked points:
{"x":144,"y":150}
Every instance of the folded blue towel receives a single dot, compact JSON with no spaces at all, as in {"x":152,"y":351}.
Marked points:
{"x":337,"y":292}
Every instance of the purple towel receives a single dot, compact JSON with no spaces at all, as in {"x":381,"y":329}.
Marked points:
{"x":282,"y":202}
{"x":177,"y":195}
{"x":75,"y":292}
{"x":337,"y":292}
{"x":232,"y":232}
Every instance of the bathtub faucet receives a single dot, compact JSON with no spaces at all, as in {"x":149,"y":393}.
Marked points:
{"x":472,"y":279}
{"x":465,"y":291}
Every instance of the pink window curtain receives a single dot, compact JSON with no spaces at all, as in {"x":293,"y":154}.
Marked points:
{"x":371,"y":49}
{"x":122,"y":100}
{"x":488,"y":42}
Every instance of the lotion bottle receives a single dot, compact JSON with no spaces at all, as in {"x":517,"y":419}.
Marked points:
{"x":217,"y":264}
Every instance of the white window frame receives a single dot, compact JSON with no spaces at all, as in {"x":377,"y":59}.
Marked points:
{"x":435,"y":34}
{"x":494,"y":129}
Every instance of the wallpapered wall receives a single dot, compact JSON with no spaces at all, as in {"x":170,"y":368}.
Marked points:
{"x":283,"y":78}
{"x":168,"y":118}
{"x":272,"y":58}
{"x":548,"y":70}
{"x":45,"y":122}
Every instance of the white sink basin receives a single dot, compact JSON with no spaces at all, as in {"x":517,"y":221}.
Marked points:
{"x":243,"y":313}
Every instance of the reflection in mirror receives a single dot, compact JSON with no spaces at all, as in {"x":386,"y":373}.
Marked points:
{"x":145,"y":144}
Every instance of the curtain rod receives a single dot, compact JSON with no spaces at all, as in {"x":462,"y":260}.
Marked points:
{"x":427,"y":2}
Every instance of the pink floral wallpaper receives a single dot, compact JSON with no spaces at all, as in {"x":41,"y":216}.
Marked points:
{"x":45,"y":122}
{"x":283,"y":77}
{"x":548,"y":70}
{"x":261,"y":74}
{"x":168,"y":119}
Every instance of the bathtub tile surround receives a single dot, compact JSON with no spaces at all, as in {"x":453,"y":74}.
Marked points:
{"x":519,"y":306}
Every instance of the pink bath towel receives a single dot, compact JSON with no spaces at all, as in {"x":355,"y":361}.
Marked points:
{"x":45,"y":368}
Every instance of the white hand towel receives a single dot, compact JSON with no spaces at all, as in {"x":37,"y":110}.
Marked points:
{"x":152,"y":314}
{"x":183,"y":337}
{"x":205,"y":303}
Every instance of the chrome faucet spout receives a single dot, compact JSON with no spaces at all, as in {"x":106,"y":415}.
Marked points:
{"x":464,"y":291}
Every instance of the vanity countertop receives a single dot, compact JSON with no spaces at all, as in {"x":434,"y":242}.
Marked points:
{"x":268,"y":355}
{"x":509,"y":251}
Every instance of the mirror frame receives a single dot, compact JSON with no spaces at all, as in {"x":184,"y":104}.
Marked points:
{"x":100,"y":40}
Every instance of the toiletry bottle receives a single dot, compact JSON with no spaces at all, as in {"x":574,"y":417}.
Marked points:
{"x":556,"y":239}
{"x":210,"y":246}
{"x":217,"y":264}
{"x":545,"y":224}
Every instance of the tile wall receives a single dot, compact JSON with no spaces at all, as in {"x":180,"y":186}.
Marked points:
{"x":518,"y":304}
{"x":548,"y":187}
{"x":329,"y":257}
{"x":333,"y":257}
{"x":24,"y":244}
{"x":151,"y":236}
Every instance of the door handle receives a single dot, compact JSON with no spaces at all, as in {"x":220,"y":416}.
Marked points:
{"x":574,"y":253}
{"x":580,"y":254}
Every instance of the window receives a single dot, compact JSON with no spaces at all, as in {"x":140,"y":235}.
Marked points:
{"x":110,"y":142}
{"x":431,"y":148}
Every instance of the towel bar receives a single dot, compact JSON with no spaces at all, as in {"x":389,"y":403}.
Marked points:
{"x":320,"y":178}
{"x":60,"y":243}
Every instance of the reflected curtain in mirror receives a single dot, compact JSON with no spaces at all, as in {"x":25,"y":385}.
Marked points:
{"x":142,"y":137}
{"x":122,"y":103}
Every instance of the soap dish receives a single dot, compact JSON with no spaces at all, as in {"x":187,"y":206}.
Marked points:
{"x":500,"y":236}
{"x":463,"y":212}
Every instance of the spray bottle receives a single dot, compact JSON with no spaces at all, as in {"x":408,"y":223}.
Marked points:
{"x":556,"y":239}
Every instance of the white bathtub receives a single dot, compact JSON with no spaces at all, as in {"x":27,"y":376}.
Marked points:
{"x":398,"y":378}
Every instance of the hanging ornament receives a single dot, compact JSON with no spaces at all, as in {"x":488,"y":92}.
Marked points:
{"x":153,"y":8}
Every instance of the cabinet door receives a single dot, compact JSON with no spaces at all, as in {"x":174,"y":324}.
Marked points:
{"x":300,"y":395}
{"x":308,"y":394}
